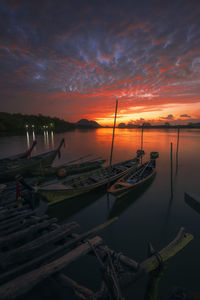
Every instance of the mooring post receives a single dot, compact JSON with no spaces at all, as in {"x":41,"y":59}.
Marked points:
{"x":142,"y":142}
{"x":111,"y":152}
{"x":177,"y":148}
{"x":171,"y":156}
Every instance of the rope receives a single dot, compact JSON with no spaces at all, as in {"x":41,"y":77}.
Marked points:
{"x":110,"y":270}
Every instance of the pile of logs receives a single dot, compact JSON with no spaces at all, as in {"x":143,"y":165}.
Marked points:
{"x":32,"y":247}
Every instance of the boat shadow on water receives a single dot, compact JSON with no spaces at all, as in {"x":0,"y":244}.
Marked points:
{"x":122,"y":203}
{"x":69,"y":207}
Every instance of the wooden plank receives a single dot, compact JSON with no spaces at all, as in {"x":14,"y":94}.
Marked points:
{"x":25,"y":282}
{"x":25,"y":252}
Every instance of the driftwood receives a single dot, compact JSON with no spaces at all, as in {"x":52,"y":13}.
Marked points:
{"x":36,"y":262}
{"x":27,"y":251}
{"x":26,"y":234}
{"x":24,"y":283}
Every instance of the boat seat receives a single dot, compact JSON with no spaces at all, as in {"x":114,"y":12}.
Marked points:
{"x":120,"y":168}
{"x":94,"y":178}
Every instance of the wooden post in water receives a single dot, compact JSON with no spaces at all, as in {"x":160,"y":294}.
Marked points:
{"x":111,"y":152}
{"x":177,"y":148}
{"x":142,"y":142}
{"x":171,"y":159}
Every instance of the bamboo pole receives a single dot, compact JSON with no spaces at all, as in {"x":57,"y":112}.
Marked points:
{"x":177,"y":149}
{"x":171,"y":163}
{"x":142,"y":142}
{"x":111,"y":152}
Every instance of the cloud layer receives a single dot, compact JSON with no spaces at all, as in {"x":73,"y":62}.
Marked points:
{"x":73,"y":63}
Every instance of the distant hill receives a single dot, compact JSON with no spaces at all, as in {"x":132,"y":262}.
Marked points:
{"x":84,"y":123}
{"x":18,"y":123}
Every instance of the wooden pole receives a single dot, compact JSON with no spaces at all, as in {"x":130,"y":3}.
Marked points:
{"x":142,"y":138}
{"x":111,"y":152}
{"x":177,"y":148}
{"x":171,"y":161}
{"x":142,"y":142}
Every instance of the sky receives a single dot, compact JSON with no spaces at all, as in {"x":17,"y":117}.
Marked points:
{"x":73,"y":59}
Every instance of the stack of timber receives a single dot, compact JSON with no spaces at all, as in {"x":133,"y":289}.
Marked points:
{"x":34,"y":248}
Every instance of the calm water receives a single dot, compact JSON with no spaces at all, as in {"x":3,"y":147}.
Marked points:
{"x":144,"y":216}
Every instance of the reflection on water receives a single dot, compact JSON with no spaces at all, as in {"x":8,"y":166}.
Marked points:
{"x":70,"y":207}
{"x":52,"y":139}
{"x":33,"y":135}
{"x":143,"y":213}
{"x":28,"y":139}
{"x":46,"y":139}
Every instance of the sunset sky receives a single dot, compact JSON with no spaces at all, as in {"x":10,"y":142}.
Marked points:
{"x":73,"y":59}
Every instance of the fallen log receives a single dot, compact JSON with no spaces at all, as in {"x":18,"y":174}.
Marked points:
{"x":150,"y":264}
{"x":181,"y":240}
{"x":36,"y":262}
{"x":8,"y":215}
{"x":20,"y":224}
{"x":26,"y":234}
{"x":25,"y":282}
{"x":12,"y":221}
{"x":25,"y":252}
{"x":81,"y":291}
{"x":193,"y":201}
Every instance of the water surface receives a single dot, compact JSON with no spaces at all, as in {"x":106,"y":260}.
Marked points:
{"x":147,"y":215}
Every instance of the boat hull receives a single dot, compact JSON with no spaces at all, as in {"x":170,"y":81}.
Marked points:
{"x":131,"y":187}
{"x":54,"y":195}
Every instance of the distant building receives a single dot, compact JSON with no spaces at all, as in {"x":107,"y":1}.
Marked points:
{"x":131,"y":125}
{"x":167,"y":124}
{"x":122,"y":125}
{"x":146,"y":124}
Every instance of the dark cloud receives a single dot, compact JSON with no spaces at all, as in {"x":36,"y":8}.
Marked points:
{"x":169,"y":117}
{"x":185,"y":116}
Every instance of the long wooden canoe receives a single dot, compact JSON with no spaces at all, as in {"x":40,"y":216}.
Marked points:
{"x":70,"y":169}
{"x":64,"y":189}
{"x":8,"y":170}
{"x":133,"y":179}
{"x":19,"y":156}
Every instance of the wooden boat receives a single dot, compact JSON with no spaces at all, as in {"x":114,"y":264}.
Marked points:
{"x":121,"y":204}
{"x":134,"y":179}
{"x":70,"y":169}
{"x":19,"y":156}
{"x":74,"y":186}
{"x":8,"y":170}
